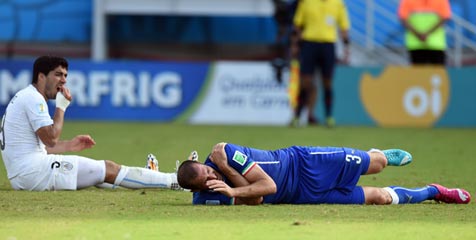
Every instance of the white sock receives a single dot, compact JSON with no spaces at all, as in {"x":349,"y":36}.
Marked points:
{"x":136,"y":177}
{"x":376,"y":150}
{"x":106,"y":185}
{"x":393,"y":194}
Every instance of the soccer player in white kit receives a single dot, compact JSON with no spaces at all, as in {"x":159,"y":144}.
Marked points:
{"x":31,"y":146}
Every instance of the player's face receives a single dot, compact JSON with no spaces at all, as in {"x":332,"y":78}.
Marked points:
{"x":206,"y":173}
{"x":55,"y":81}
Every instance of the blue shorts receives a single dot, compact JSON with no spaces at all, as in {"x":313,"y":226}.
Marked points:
{"x":315,"y":54}
{"x":331,"y":176}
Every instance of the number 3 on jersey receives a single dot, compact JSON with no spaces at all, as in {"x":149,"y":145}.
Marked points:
{"x":350,"y":158}
{"x":2,"y":138}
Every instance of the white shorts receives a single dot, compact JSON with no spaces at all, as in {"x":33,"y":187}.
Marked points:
{"x":59,"y":172}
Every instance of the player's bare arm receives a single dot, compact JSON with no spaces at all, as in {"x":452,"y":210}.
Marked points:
{"x":76,"y":144}
{"x":249,"y":189}
{"x":50,"y":135}
{"x":218,"y":156}
{"x":260,"y":185}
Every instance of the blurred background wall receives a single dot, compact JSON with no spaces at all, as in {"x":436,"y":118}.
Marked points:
{"x":193,"y":60}
{"x":30,"y":27}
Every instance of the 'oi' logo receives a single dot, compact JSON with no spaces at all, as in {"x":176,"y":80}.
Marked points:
{"x":406,"y":96}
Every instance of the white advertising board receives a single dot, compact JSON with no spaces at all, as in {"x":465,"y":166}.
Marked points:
{"x":244,"y":93}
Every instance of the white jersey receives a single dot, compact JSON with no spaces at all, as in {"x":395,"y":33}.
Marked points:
{"x":25,"y":114}
{"x":30,"y":167}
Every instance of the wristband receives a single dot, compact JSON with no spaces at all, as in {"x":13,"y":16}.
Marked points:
{"x":61,"y":102}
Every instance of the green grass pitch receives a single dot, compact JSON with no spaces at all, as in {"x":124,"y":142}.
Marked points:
{"x":440,"y":155}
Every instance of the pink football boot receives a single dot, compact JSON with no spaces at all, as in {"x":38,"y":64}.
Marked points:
{"x":451,"y":195}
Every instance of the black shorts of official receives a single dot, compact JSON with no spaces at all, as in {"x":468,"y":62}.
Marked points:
{"x":320,"y":55}
{"x":437,"y":57}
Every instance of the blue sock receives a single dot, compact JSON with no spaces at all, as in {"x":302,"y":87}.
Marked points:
{"x":414,"y":195}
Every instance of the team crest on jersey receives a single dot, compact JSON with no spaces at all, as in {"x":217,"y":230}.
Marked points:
{"x":66,"y":166}
{"x":240,"y":158}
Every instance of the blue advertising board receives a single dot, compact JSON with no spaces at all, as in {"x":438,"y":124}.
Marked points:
{"x":122,"y":90}
{"x":194,"y":92}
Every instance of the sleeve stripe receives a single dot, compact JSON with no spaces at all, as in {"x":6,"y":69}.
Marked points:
{"x":248,"y":168}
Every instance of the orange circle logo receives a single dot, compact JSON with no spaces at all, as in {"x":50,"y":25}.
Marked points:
{"x":406,"y":96}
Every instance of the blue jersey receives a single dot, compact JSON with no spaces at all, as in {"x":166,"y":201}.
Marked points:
{"x":302,"y":174}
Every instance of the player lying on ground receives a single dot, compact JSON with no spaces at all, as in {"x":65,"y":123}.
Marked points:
{"x":235,"y":174}
{"x":30,"y":142}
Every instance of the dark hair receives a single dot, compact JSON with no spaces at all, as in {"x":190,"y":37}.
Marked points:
{"x":186,"y":175}
{"x":46,"y":64}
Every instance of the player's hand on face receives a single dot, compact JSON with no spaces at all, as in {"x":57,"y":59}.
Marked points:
{"x":66,"y":93}
{"x":218,"y":156}
{"x":221,"y":187}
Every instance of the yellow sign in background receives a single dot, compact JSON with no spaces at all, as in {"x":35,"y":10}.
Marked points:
{"x":406,"y":96}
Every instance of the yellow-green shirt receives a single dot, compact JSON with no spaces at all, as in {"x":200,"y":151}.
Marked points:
{"x":320,"y":19}
{"x":423,"y":15}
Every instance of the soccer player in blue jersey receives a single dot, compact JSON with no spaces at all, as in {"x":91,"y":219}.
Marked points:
{"x":234,"y":174}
